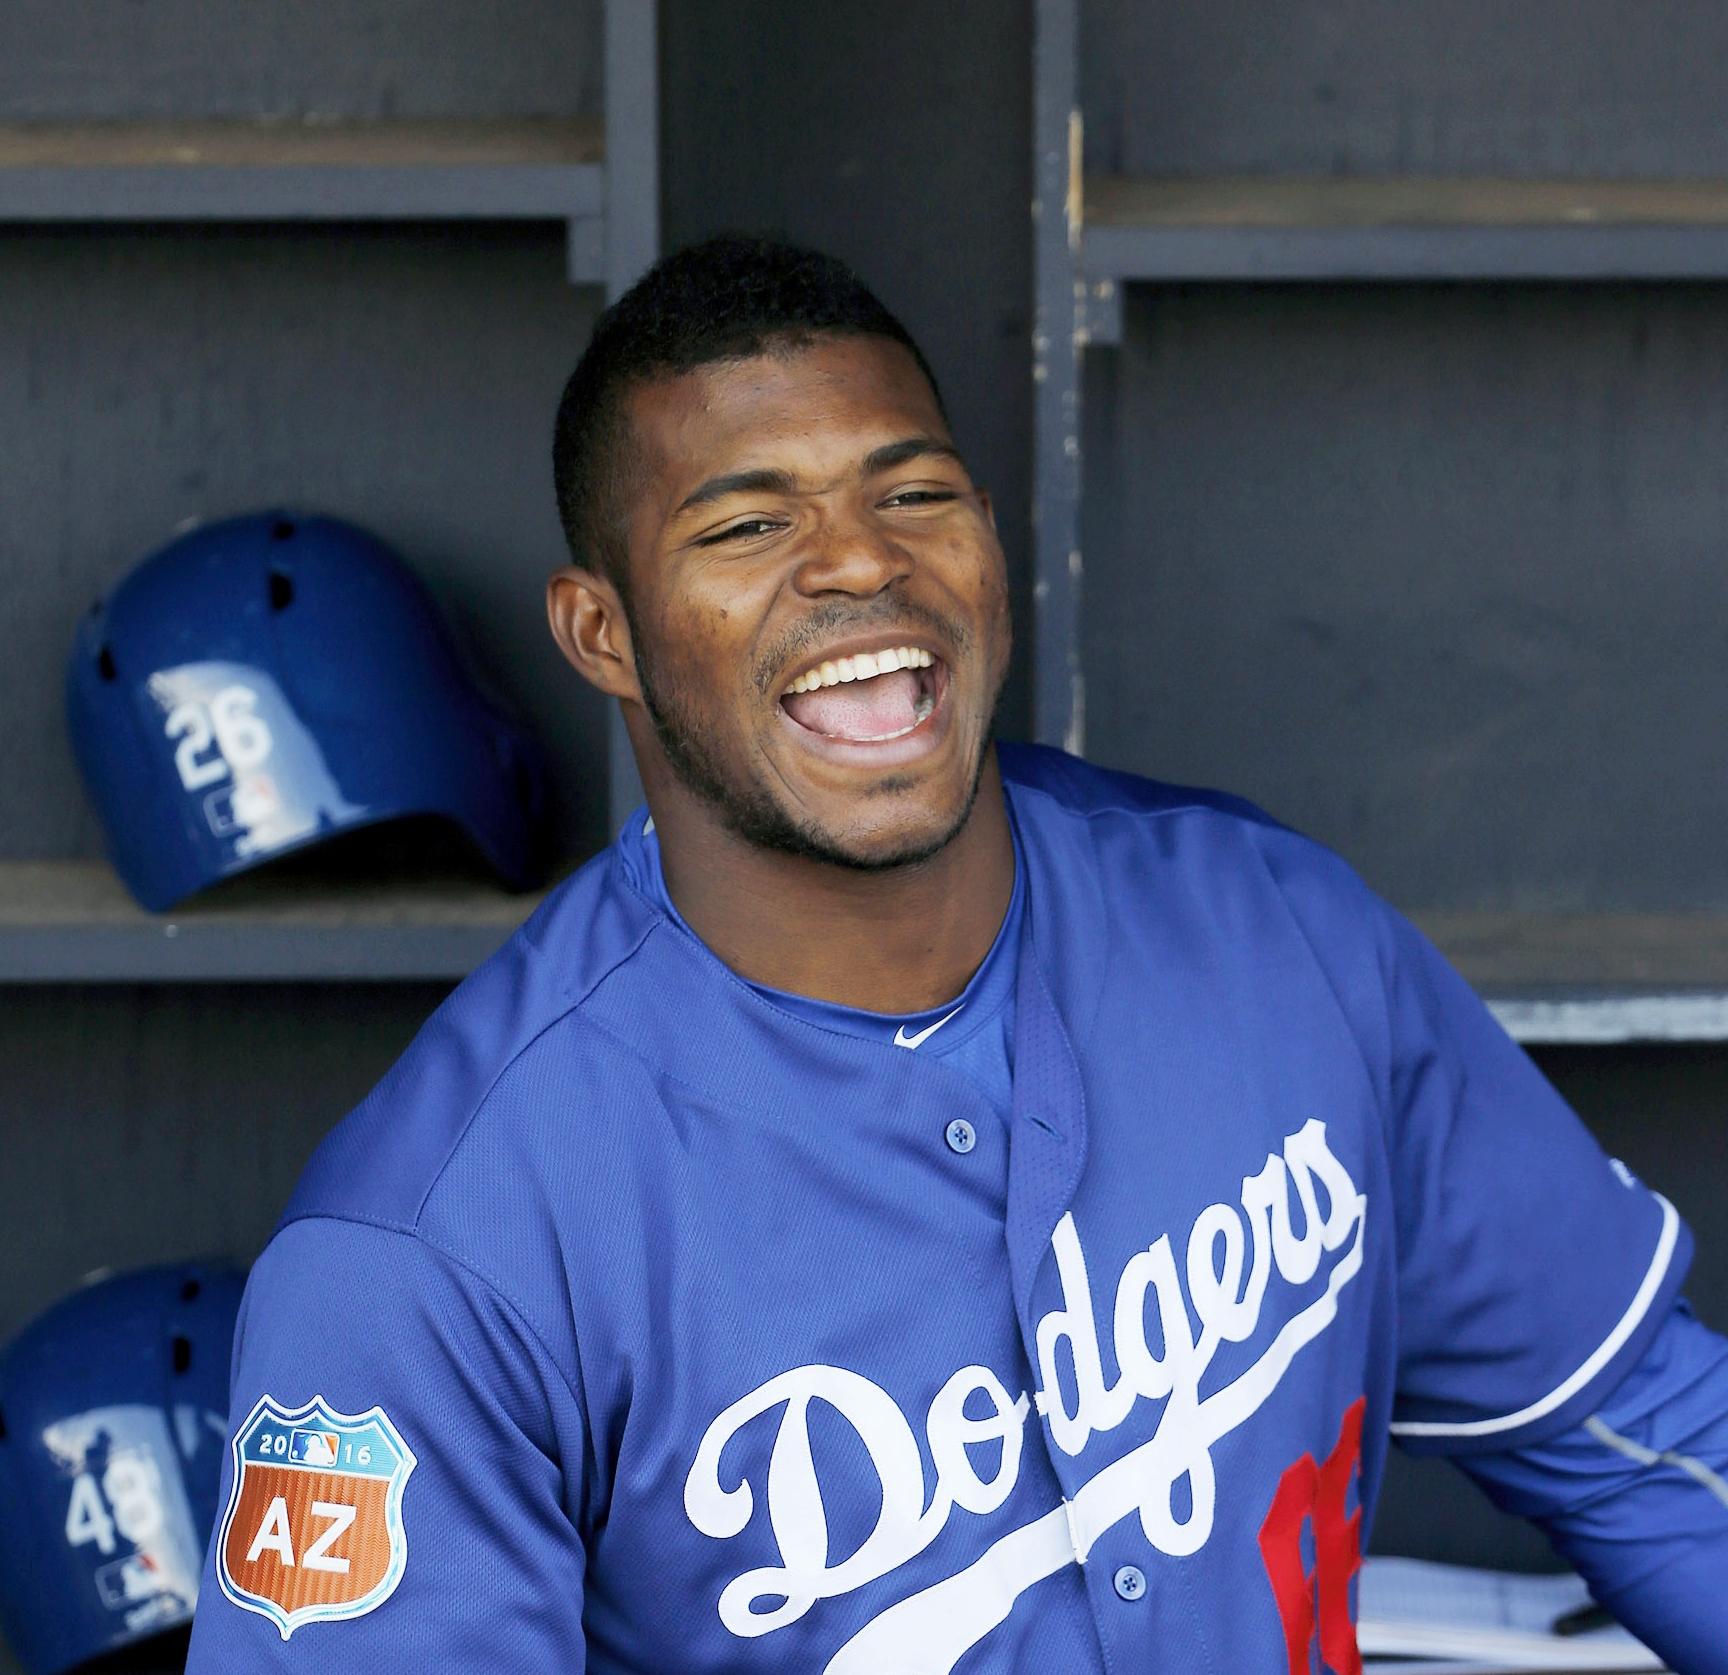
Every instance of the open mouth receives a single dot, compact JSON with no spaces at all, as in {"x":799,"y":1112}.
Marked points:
{"x":868,"y":698}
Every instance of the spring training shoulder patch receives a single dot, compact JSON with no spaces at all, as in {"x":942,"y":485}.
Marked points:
{"x":313,"y":1531}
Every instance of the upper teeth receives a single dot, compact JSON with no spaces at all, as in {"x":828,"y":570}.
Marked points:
{"x":865,"y":666}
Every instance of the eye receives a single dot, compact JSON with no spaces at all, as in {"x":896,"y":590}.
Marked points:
{"x":747,"y":529}
{"x":920,"y":497}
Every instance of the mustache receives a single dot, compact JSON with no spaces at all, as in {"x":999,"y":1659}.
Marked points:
{"x":838,"y":617}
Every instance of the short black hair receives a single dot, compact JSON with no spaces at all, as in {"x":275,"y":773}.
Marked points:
{"x":723,"y":299}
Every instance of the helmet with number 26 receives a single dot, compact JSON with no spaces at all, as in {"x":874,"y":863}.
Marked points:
{"x":266,"y":682}
{"x":115,"y":1407}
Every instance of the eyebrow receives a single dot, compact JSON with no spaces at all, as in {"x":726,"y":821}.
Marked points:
{"x":910,"y":448}
{"x":765,"y":481}
{"x":769,"y":480}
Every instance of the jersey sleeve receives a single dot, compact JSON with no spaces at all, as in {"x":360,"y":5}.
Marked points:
{"x":394,"y":1494}
{"x":1533,"y":1270}
{"x":1637,"y":1496}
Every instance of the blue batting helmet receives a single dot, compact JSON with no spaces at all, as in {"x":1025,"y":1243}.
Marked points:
{"x":115,"y":1411}
{"x":269,"y":681}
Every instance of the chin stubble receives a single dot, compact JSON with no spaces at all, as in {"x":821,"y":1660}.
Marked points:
{"x":749,"y":811}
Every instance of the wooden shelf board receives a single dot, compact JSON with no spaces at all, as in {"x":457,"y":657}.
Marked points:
{"x":304,"y":144}
{"x":1606,"y":1020}
{"x":546,"y":168}
{"x":1581,"y":977}
{"x":1312,"y":201}
{"x":1505,"y":953}
{"x":1140,"y":227}
{"x":72,"y":921}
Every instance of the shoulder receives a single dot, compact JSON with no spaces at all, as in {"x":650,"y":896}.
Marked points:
{"x":1129,"y":821}
{"x":1039,"y":774}
{"x":515,"y":1029}
{"x":1120,"y":857}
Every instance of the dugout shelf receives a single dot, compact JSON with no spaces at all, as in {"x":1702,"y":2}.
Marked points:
{"x":543,"y":169}
{"x":1549,"y":977}
{"x":1593,"y":978}
{"x":73,"y":922}
{"x":1403,"y":228}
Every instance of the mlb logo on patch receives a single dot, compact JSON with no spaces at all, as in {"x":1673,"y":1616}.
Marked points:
{"x":313,"y":1448}
{"x":313,"y":1531}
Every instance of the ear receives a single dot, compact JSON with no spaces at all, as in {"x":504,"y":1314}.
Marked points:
{"x":589,"y":624}
{"x":988,"y":508}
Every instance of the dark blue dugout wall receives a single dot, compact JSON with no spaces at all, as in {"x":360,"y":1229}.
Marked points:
{"x":1433,"y":572}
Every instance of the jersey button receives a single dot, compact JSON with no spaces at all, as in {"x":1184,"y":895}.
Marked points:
{"x":1130,"y":1582}
{"x":961,"y":1136}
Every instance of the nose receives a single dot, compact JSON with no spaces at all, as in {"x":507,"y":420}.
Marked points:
{"x":849,"y":554}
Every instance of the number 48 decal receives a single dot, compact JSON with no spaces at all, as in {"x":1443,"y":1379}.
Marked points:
{"x":131,"y":1486}
{"x":241,"y":737}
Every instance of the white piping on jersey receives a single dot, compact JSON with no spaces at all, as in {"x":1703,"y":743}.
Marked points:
{"x":1605,"y":1352}
{"x":902,"y":1039}
{"x":1693,"y":1468}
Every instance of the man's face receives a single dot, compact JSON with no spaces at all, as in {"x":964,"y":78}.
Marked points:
{"x":818,"y":600}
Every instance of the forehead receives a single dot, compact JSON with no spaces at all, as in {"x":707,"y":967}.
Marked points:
{"x":809,"y":408}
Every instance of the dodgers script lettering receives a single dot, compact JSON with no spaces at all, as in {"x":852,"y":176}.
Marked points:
{"x":1227,"y":1262}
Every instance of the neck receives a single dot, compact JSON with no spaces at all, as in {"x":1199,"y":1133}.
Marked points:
{"x":901,"y":940}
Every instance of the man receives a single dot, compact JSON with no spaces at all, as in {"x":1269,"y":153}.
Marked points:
{"x":909,"y":1206}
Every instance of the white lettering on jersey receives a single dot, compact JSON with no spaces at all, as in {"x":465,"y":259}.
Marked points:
{"x":1227,"y":1267}
{"x":317,"y":1556}
{"x":272,"y":1536}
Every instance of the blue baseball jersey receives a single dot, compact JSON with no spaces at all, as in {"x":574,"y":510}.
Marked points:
{"x":680,"y":1333}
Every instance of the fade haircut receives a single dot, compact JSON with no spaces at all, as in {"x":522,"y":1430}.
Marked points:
{"x":724,"y":299}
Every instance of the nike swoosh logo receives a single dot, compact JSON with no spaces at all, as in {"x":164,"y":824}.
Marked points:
{"x":902,"y":1039}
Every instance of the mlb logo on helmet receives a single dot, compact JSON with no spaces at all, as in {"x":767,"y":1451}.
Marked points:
{"x":313,"y":1530}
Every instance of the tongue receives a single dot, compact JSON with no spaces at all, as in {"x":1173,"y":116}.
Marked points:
{"x":860,"y":709}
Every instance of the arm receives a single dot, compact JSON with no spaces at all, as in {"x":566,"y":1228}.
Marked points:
{"x":482,"y":1567}
{"x":1637,"y":1496}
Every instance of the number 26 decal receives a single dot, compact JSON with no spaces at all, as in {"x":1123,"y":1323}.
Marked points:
{"x":241,"y":737}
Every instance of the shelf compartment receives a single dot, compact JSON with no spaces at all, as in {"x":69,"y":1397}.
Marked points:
{"x":1292,"y":228}
{"x":73,"y":922}
{"x":532,"y":169}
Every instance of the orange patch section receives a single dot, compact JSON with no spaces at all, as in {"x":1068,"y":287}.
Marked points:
{"x":365,"y":1544}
